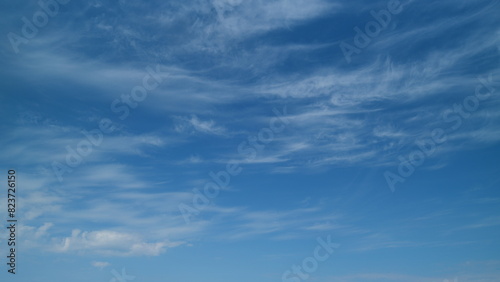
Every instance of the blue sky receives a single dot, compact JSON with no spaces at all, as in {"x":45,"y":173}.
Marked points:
{"x":117,"y":115}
